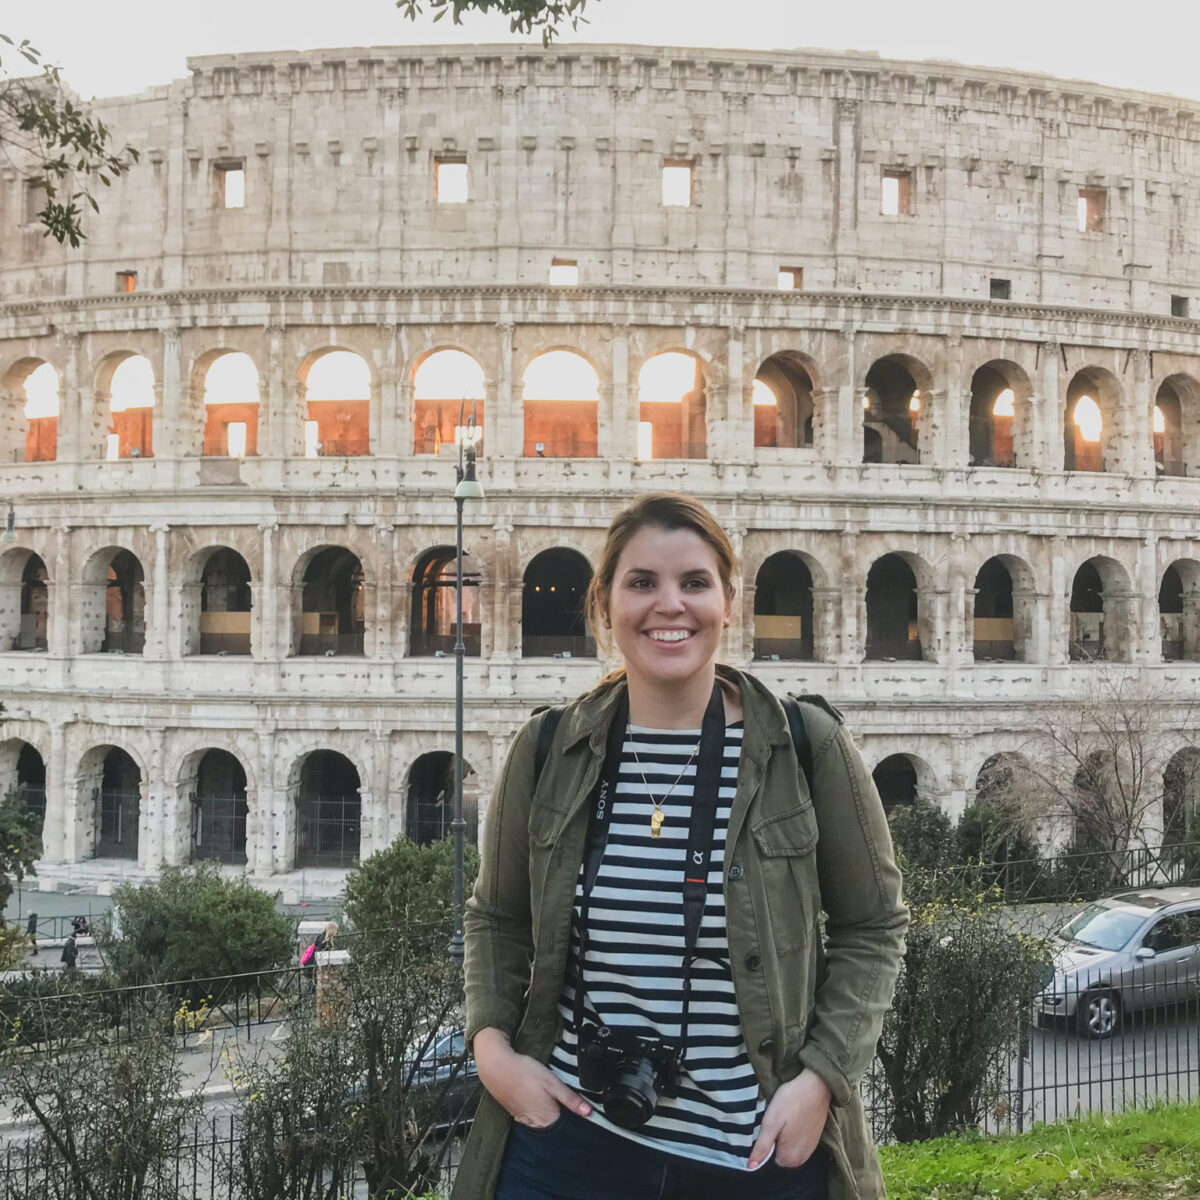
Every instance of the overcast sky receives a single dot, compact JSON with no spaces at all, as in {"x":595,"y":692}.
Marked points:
{"x":114,"y":47}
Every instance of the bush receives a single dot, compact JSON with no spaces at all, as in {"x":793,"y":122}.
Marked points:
{"x":993,"y":837}
{"x":194,"y":923}
{"x":923,"y":836}
{"x":406,"y":892}
{"x":13,"y":943}
{"x":53,"y":1006}
{"x":962,"y":1002}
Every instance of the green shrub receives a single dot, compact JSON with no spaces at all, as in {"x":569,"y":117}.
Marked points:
{"x":923,"y":836}
{"x":194,"y":923}
{"x":993,"y":837}
{"x":54,"y":1006}
{"x":406,"y":892}
{"x":962,"y":1001}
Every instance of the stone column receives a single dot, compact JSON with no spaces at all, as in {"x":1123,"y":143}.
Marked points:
{"x":504,"y":423}
{"x":847,"y":427}
{"x":622,"y":433}
{"x":733,"y":430}
{"x":827,"y":635}
{"x":265,"y":632}
{"x":739,"y":637}
{"x":57,"y":839}
{"x":152,"y":814}
{"x":1146,"y":646}
{"x":158,"y":639}
{"x":953,"y":411}
{"x":1048,"y":452}
{"x":386,"y":425}
{"x":845,"y":229}
{"x":960,"y":609}
{"x":173,"y":422}
{"x":62,"y":640}
{"x":505,"y":613}
{"x":277,"y":400}
{"x":853,"y":601}
{"x":333,"y":988}
{"x":381,"y":621}
{"x":74,"y":407}
{"x":1135,"y":449}
{"x":1057,"y":651}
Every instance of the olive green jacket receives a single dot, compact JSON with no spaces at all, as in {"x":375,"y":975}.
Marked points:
{"x":804,"y":1001}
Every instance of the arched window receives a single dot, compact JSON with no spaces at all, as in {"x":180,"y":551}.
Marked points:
{"x":24,"y":601}
{"x":225,"y":602}
{"x":893,"y":623}
{"x":31,"y":782}
{"x":783,"y":609}
{"x":329,"y":811}
{"x":430,"y":807}
{"x":231,"y":399}
{"x":333,"y":620}
{"x":1168,"y":432}
{"x":992,"y":430}
{"x":113,"y":604}
{"x":561,"y":395}
{"x":118,"y":806}
{"x":1092,"y":399}
{"x":1181,"y":805}
{"x":337,"y":389}
{"x":219,"y":809}
{"x":896,"y":781}
{"x":1170,"y":615}
{"x":891,"y":413}
{"x":783,"y":403}
{"x":441,"y":384}
{"x":1087,"y":615}
{"x":994,"y":630}
{"x":131,"y":409}
{"x":434,"y":616}
{"x":552,"y":600}
{"x":41,"y":410}
{"x":671,"y":407}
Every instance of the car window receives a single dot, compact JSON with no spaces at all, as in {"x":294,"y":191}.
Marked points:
{"x":1167,"y":934}
{"x":1104,"y":928}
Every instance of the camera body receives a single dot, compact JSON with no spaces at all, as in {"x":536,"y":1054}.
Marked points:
{"x":628,"y":1070}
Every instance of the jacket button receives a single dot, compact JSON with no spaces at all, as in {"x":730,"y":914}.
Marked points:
{"x":753,"y":962}
{"x":736,"y":872}
{"x":766,"y":1046}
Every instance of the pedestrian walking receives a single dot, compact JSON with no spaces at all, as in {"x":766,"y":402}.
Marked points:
{"x":69,"y":953}
{"x":31,"y":932}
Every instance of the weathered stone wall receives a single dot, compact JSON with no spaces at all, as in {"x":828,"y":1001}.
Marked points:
{"x":340,"y":244}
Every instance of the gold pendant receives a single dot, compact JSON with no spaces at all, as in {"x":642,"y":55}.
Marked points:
{"x":656,"y":820}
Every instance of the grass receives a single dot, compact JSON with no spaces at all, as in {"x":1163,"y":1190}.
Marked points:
{"x":1154,"y":1153}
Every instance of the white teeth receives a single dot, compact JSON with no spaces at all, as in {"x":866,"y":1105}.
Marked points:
{"x":670,"y":635}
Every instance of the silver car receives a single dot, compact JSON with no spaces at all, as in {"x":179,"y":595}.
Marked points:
{"x":1135,"y":950}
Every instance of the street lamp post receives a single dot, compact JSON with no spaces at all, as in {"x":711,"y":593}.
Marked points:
{"x":466,"y":488}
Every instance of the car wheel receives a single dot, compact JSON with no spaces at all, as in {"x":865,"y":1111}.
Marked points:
{"x":1099,"y":1014}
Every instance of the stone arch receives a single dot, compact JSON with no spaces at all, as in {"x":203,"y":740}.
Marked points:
{"x":329,"y":603}
{"x":1101,"y":618}
{"x":672,"y":405}
{"x":1177,"y":410}
{"x":898,"y":626}
{"x":217,"y":602}
{"x":782,"y":400}
{"x":126,"y":401}
{"x":1092,"y":806}
{"x":560,"y":393}
{"x":902,"y":780}
{"x":1090,"y":424}
{"x":429,"y":799}
{"x":23,"y":770}
{"x":113,"y":603}
{"x":998,"y":779}
{"x":554,"y":589}
{"x":30,"y":395}
{"x":327,"y":788}
{"x":1181,"y":803}
{"x":335,"y":385}
{"x":1004,"y":610}
{"x":1179,"y":611}
{"x":784,"y":613}
{"x":226,"y":392}
{"x":893,"y":414}
{"x":999,"y":423}
{"x":215,"y":781}
{"x":432,"y":628}
{"x":110,"y":783}
{"x":449,"y":386}
{"x":24,"y":600}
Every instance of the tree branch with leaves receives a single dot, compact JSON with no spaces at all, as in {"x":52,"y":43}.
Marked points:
{"x":525,"y":16}
{"x":54,"y":142}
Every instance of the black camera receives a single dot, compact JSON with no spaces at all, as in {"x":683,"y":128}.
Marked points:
{"x":628,"y":1071}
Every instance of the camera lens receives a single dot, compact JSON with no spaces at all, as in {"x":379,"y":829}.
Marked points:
{"x":630,"y":1099}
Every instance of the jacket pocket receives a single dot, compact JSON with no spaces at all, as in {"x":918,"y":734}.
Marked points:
{"x":785,"y":843}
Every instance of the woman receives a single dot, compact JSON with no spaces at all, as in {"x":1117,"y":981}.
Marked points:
{"x":646,"y":916}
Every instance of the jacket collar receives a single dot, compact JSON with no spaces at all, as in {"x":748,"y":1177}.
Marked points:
{"x":765,"y":722}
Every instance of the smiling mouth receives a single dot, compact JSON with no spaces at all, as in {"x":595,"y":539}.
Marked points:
{"x":669,"y":635}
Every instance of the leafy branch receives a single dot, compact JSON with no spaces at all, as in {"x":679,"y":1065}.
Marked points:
{"x":525,"y":16}
{"x":57,"y":146}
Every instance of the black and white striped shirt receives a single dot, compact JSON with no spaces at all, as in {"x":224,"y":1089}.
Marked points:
{"x":634,"y":970}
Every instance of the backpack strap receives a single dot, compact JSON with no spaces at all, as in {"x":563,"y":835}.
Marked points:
{"x":545,"y":740}
{"x":800,"y":738}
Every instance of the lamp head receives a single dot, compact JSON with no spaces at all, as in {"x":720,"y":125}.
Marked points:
{"x":469,"y":488}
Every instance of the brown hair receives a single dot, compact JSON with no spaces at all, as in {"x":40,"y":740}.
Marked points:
{"x":656,"y":510}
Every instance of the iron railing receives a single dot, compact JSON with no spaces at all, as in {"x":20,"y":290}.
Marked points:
{"x":330,"y":831}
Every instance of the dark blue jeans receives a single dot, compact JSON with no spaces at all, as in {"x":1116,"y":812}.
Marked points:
{"x":575,"y":1159}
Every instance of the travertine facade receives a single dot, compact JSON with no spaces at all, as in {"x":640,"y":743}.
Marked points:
{"x":960,"y":233}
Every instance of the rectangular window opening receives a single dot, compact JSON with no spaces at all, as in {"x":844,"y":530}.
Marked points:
{"x":450,"y":181}
{"x":564,"y":272}
{"x":790,"y":279}
{"x":1179,"y":306}
{"x":229,"y":185}
{"x":35,"y":201}
{"x":896,"y":193}
{"x":1090,"y":209}
{"x":677,"y":185}
{"x":126,"y":281}
{"x":236,"y":439}
{"x":1001,"y":289}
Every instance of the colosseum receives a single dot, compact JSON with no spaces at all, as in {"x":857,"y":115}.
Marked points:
{"x":921,"y":334}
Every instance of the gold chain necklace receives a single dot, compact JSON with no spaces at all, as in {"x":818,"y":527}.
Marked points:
{"x":656,"y":817}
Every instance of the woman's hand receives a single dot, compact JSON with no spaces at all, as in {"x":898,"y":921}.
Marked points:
{"x":793,"y":1121}
{"x":531,"y":1092}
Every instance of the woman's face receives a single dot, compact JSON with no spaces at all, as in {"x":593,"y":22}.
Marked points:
{"x":668,"y":606}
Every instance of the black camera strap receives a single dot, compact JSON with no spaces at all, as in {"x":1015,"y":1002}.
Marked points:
{"x":700,"y":837}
